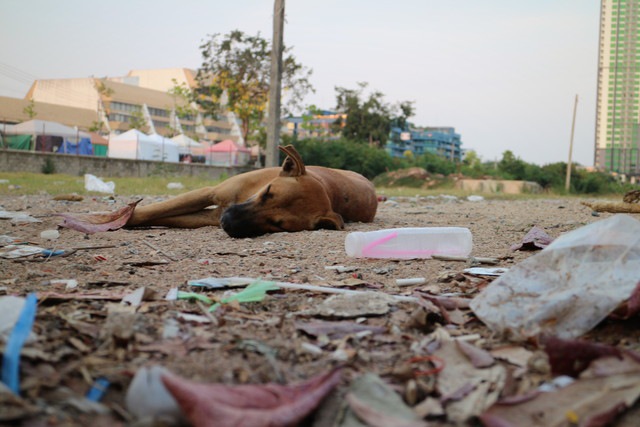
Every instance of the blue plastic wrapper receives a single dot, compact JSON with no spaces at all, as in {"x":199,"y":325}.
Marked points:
{"x":20,"y":333}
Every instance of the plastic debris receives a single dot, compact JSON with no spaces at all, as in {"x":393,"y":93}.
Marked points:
{"x":475,"y":198}
{"x":19,"y":251}
{"x":411,"y":281}
{"x":175,"y":186}
{"x":50,"y":234}
{"x":147,"y":396}
{"x":479,"y":271}
{"x":255,"y":292}
{"x":17,"y":338}
{"x":98,"y":389}
{"x":570,"y":286}
{"x":93,"y":183}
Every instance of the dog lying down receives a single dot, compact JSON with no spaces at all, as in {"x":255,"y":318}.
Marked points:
{"x":294,"y":197}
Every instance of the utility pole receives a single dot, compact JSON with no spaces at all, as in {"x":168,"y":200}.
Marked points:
{"x":275,"y":86}
{"x":567,"y":183}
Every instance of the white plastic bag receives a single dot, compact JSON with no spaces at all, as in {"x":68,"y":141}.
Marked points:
{"x":93,"y":183}
{"x":570,"y":286}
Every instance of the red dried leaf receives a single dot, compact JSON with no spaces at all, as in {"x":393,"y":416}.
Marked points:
{"x":630,"y":307}
{"x":375,"y":417}
{"x":534,"y":240}
{"x":478,"y":357}
{"x":570,"y":357}
{"x":249,"y":405}
{"x":97,"y":222}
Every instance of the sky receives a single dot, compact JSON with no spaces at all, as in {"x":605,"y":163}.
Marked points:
{"x":503,"y":73}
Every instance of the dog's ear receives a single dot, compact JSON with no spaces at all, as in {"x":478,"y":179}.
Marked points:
{"x":293,"y":165}
{"x":331,"y":221}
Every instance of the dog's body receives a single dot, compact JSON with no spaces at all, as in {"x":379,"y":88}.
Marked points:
{"x":292,"y":198}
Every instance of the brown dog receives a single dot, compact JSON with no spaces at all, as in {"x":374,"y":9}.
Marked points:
{"x":291,"y":198}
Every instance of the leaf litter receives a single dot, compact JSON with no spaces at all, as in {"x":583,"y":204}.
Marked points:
{"x":422,"y":343}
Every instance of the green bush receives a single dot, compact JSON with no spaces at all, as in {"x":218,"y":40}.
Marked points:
{"x":48,"y":167}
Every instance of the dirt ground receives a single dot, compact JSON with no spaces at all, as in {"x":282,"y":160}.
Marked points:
{"x":83,"y":335}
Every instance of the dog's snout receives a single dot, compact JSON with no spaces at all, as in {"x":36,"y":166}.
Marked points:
{"x":237,"y":222}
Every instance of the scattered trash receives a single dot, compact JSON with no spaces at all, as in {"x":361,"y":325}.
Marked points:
{"x":147,"y":397}
{"x":175,"y":186}
{"x":534,"y":240}
{"x":98,"y":389}
{"x":68,"y":284}
{"x":474,"y":198}
{"x":569,"y":287}
{"x":51,"y":252}
{"x":479,"y":271}
{"x":472,"y":260}
{"x":336,"y":330}
{"x":411,"y":281}
{"x":255,"y":292}
{"x":93,"y":183}
{"x":97,"y":222}
{"x":409,"y":243}
{"x":17,"y":338}
{"x":50,"y":234}
{"x":19,"y":251}
{"x":341,"y":268}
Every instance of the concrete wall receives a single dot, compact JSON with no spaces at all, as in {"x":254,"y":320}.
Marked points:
{"x":28,"y":161}
{"x":498,"y":186}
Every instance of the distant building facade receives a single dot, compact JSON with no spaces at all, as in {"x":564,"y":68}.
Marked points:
{"x":617,"y":142}
{"x":141,"y":97}
{"x":322,"y":124}
{"x":441,"y":141}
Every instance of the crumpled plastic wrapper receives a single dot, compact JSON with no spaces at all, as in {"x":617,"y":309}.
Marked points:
{"x":567,"y":288}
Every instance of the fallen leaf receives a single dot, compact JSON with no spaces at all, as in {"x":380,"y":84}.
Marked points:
{"x":97,"y":222}
{"x":249,"y":405}
{"x":592,"y":402}
{"x":571,"y":357}
{"x":534,"y":240}
{"x":377,"y":418}
{"x":336,"y":329}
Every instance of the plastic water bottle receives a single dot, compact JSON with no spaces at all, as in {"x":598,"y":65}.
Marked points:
{"x":407,"y":243}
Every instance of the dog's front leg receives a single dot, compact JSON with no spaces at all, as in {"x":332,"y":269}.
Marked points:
{"x":184,"y":205}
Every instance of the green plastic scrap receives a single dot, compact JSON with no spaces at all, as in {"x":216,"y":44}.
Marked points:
{"x":255,"y":292}
{"x":193,"y":295}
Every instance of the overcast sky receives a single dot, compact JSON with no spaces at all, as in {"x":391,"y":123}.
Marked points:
{"x":504,"y":73}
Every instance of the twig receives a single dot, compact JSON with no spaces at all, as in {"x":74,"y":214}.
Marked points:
{"x":159,"y":250}
{"x":328,"y":290}
{"x":481,"y":260}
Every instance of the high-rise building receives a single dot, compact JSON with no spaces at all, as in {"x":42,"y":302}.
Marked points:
{"x":617,"y":147}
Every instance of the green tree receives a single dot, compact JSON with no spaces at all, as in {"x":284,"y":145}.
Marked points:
{"x":369,"y":117}
{"x":236,"y":66}
{"x":30,"y":109}
{"x":137,"y":120}
{"x":183,"y":100}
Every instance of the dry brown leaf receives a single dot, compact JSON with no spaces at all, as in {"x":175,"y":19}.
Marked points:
{"x":98,"y":222}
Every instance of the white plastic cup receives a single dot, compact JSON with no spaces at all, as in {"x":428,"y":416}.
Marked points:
{"x":409,"y":243}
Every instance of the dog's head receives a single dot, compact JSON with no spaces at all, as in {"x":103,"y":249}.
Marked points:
{"x":293,"y":201}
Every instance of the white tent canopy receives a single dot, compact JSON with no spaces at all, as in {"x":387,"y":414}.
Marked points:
{"x":43,"y":127}
{"x":134,"y":144}
{"x":187,"y":145}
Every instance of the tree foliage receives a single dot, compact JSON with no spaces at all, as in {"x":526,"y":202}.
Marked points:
{"x":235,"y":74}
{"x":369,"y":117}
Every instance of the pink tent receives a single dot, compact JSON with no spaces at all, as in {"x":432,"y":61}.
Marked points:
{"x":228,"y":153}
